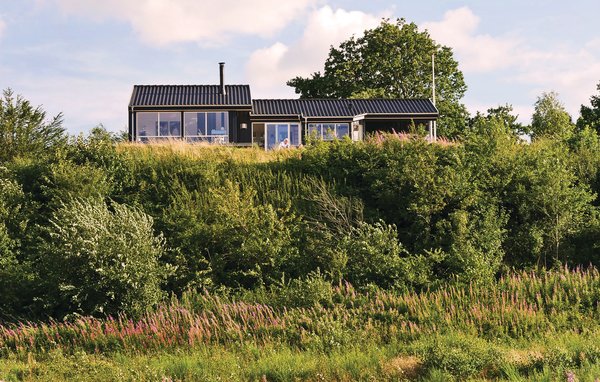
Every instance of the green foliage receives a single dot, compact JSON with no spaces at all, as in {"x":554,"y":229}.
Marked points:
{"x":374,"y":256}
{"x":498,"y":116}
{"x":461,"y":356}
{"x":550,"y":119}
{"x":245,"y":243}
{"x":590,"y":115}
{"x":102,"y":260}
{"x":14,"y":270}
{"x":549,"y":205}
{"x":392,"y":60}
{"x":24,"y":131}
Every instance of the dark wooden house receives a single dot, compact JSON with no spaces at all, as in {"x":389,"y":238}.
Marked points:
{"x":227,"y":114}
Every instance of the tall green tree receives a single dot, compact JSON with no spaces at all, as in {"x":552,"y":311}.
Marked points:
{"x":550,"y":119}
{"x":503,"y":117}
{"x":590,"y":115}
{"x":392,"y":60}
{"x":24,"y":130}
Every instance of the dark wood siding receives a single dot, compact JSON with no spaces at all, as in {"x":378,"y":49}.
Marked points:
{"x":244,"y":135}
{"x":233,"y":127}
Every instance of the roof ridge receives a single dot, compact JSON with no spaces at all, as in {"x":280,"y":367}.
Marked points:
{"x":179,"y":85}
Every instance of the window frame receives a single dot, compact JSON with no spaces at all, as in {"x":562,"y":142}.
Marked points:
{"x":212,"y":138}
{"x":158,"y":126}
{"x":323,"y":134}
{"x":289,"y":125}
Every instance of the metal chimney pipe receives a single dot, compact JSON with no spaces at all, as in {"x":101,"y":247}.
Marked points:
{"x":221,"y":70}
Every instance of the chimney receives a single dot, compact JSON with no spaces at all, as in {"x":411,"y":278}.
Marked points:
{"x":221,"y":69}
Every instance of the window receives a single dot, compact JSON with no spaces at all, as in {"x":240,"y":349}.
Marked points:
{"x":278,"y":132}
{"x":152,"y":125}
{"x":207,"y":126}
{"x":328,"y":131}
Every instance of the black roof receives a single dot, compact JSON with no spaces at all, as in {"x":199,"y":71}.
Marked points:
{"x":341,"y":107}
{"x":190,"y":95}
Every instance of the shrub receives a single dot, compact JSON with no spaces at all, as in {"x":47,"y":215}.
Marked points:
{"x":103,"y":260}
{"x":461,"y":356}
{"x":14,"y":272}
{"x":374,"y":255}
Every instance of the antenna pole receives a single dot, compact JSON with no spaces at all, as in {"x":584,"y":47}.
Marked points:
{"x":434,"y":132}
{"x":433,"y":76}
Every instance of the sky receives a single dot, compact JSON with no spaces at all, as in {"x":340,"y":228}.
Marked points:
{"x":82,"y":57}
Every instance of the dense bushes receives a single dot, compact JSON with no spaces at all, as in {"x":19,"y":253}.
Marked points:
{"x":385,"y":213}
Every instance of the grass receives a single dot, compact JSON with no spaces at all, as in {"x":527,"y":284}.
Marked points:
{"x":524,"y":327}
{"x":214,"y":363}
{"x":203,"y":151}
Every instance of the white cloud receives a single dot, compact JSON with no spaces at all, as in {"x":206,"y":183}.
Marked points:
{"x":269,"y":68}
{"x":208,"y":22}
{"x":478,"y":52}
{"x":571,"y":71}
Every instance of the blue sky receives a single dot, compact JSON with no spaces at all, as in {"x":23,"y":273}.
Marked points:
{"x":82,"y":57}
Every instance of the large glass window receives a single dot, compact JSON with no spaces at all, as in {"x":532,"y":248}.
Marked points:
{"x":207,"y":126}
{"x":278,"y":133}
{"x":158,"y":125}
{"x":328,"y":131}
{"x":147,"y":125}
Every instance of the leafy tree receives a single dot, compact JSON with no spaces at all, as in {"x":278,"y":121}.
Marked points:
{"x":24,"y":130}
{"x":550,"y":118}
{"x":503,"y":115}
{"x":392,"y":60}
{"x":14,"y":271}
{"x":548,"y":205}
{"x":590,"y":115}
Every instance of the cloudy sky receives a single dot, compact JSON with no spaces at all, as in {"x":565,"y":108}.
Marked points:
{"x":82,"y":57}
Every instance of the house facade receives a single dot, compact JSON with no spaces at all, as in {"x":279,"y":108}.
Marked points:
{"x":227,"y":114}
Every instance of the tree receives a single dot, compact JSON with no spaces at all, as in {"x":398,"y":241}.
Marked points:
{"x":391,"y":61}
{"x":590,"y":116}
{"x":24,"y":129}
{"x":550,"y":118}
{"x":502,"y":115}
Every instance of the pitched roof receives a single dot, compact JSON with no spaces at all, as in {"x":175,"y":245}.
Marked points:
{"x":190,"y":95}
{"x":341,"y":107}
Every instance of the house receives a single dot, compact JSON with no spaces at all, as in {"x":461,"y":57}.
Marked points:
{"x":228,"y":114}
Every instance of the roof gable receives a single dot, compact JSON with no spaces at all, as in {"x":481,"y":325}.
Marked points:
{"x":190,"y":95}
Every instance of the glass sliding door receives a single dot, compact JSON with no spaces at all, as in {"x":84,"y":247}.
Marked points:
{"x":278,"y":133}
{"x":207,"y":126}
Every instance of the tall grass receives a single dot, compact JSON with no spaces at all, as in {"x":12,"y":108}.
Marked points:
{"x":203,"y":151}
{"x":520,"y":306}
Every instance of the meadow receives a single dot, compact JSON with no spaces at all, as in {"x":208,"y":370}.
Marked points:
{"x":389,"y":259}
{"x":522,"y":327}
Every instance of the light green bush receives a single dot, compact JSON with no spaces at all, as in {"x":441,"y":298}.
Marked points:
{"x":103,"y":259}
{"x":461,"y":356}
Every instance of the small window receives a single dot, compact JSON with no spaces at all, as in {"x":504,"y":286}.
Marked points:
{"x":328,"y":131}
